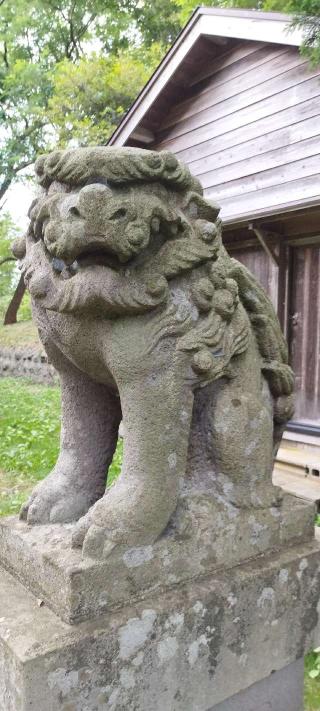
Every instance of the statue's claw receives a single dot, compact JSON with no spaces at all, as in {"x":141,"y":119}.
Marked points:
{"x":80,"y":531}
{"x":23,"y":513}
{"x":96,"y":544}
{"x":92,"y":538}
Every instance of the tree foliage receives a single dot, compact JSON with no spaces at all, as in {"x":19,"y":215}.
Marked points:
{"x":35,"y":37}
{"x":91,"y":96}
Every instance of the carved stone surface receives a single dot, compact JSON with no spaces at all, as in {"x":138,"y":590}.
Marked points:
{"x":145,"y":316}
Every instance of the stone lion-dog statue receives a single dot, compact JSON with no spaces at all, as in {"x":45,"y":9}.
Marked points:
{"x":147,"y":319}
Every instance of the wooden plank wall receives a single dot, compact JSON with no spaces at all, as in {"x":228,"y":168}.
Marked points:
{"x":304,"y":319}
{"x":250,"y":129}
{"x":304,"y":335}
{"x":258,"y":262}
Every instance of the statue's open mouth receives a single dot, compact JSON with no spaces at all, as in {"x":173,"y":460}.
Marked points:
{"x":87,"y":258}
{"x":101,"y":256}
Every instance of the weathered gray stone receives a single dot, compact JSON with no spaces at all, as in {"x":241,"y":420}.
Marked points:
{"x":184,"y":650}
{"x":142,"y":311}
{"x":78,"y":588}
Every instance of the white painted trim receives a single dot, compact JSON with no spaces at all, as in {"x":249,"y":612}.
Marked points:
{"x":299,"y":438}
{"x":253,"y":26}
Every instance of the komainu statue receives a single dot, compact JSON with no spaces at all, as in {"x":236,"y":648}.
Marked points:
{"x":147,"y":319}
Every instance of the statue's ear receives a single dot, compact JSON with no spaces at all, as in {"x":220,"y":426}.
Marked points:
{"x":197,"y":207}
{"x":18,"y":247}
{"x":32,"y":206}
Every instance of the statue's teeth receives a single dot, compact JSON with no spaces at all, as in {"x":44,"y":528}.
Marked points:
{"x":58,"y":264}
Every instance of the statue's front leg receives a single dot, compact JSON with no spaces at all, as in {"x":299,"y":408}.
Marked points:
{"x":90,"y":419}
{"x":157,"y":409}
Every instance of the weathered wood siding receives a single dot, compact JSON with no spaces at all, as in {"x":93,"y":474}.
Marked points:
{"x":250,"y":129}
{"x":264,"y":269}
{"x":304,"y":336}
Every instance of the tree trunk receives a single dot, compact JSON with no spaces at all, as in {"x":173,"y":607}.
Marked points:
{"x":4,"y":187}
{"x":13,"y":308}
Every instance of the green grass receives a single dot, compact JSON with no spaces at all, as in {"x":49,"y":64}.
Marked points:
{"x":23,"y":333}
{"x":29,"y":444}
{"x":311,"y":686}
{"x":29,"y":439}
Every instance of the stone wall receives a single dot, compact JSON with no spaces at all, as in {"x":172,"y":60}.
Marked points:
{"x":29,"y":362}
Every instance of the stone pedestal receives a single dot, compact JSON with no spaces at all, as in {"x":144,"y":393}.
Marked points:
{"x":218,"y":642}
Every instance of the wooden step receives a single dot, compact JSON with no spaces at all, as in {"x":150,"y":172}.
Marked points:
{"x":304,"y":487}
{"x":305,"y":459}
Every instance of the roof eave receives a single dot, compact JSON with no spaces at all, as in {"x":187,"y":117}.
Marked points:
{"x":210,"y":22}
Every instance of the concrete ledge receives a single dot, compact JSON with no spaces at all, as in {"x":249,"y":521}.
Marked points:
{"x":188,"y":649}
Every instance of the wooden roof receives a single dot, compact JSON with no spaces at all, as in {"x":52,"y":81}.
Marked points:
{"x":210,"y":33}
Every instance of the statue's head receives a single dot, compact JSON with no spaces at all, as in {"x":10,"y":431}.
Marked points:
{"x":109,"y":206}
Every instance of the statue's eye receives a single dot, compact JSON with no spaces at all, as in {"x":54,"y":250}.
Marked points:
{"x":118,"y":214}
{"x":74,"y":211}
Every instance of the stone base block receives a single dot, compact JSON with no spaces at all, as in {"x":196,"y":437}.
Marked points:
{"x":189,"y":649}
{"x":200,"y":540}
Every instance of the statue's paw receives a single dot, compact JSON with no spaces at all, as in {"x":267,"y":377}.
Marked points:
{"x":81,"y":529}
{"x":23,"y":513}
{"x":55,"y":502}
{"x":97,"y":544}
{"x":92,"y":538}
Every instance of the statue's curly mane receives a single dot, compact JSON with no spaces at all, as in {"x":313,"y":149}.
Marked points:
{"x":116,"y":166}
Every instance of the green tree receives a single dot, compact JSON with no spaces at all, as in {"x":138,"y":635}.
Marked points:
{"x":91,"y":96}
{"x":157,"y":21}
{"x":307,"y":16}
{"x":35,"y":36}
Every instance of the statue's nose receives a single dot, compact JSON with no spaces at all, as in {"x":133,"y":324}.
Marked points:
{"x":69,"y":207}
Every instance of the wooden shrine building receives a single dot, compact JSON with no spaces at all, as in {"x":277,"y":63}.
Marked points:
{"x":237,"y":102}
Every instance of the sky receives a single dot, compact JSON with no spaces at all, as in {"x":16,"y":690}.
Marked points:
{"x":17,"y":202}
